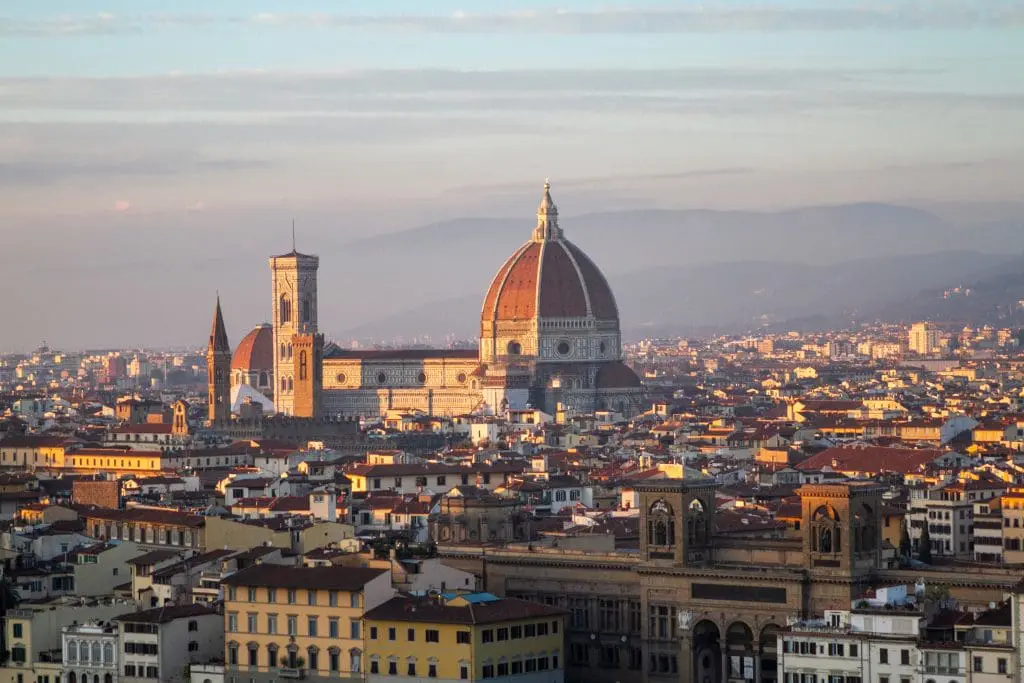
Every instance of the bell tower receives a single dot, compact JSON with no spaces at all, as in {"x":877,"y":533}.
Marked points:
{"x":842,"y":526}
{"x":294,"y":306}
{"x":676,"y":519}
{"x":218,"y":370}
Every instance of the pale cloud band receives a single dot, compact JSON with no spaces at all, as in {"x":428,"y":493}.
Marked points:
{"x":696,"y":18}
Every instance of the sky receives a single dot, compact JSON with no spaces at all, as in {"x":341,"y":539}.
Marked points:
{"x":138,"y":128}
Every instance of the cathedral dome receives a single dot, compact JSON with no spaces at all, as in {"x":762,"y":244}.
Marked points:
{"x":549,"y":277}
{"x":256,"y":350}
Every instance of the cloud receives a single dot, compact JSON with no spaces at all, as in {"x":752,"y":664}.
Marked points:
{"x":252,"y":96}
{"x":57,"y":168}
{"x":122,"y":205}
{"x":691,"y":18}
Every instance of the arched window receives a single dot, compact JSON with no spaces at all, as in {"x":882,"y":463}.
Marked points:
{"x":284,"y":384}
{"x":108,"y":653}
{"x":285,"y":315}
{"x":108,"y":678}
{"x":263,"y":379}
{"x":302,"y":366}
{"x":284,"y":351}
{"x":83,"y":652}
{"x":307,"y":309}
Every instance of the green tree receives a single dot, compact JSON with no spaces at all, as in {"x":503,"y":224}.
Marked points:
{"x":9,"y":599}
{"x":924,"y":546}
{"x":905,"y":546}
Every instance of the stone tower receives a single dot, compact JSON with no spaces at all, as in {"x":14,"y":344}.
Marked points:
{"x":307,"y":370}
{"x":294,"y":291}
{"x":218,"y":368}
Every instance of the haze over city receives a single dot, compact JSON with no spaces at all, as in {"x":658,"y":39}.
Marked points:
{"x":152,"y":155}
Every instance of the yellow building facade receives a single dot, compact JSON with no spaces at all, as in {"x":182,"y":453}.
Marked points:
{"x":283,"y":621}
{"x":464,"y":637}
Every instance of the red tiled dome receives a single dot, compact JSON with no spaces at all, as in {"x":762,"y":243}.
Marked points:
{"x":551,"y":278}
{"x":255,"y":351}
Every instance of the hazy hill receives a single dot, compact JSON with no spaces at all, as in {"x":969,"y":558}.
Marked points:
{"x":735,"y":295}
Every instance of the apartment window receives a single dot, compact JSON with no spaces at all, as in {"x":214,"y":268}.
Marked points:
{"x":311,"y":625}
{"x":252,"y":595}
{"x":254,"y":655}
{"x":333,"y":630}
{"x":441,"y":481}
{"x":291,"y":596}
{"x":376,"y":483}
{"x":313,"y":660}
{"x":503,"y":668}
{"x":977,"y":664}
{"x":232,"y":622}
{"x":374,"y":666}
{"x":272,"y":623}
{"x":487,"y":636}
{"x":905,"y":657}
{"x":251,"y":619}
{"x":410,"y":635}
{"x":462,"y":637}
{"x":411,"y":669}
{"x":1001,"y":665}
{"x":530,"y":630}
{"x":332,"y":598}
{"x":488,"y":671}
{"x":883,"y":655}
{"x":353,"y":600}
{"x":542,"y":628}
{"x":883,"y":679}
{"x":272,"y":655}
{"x":373,"y":633}
{"x":293,"y":625}
{"x":854,"y":650}
{"x":354,"y":628}
{"x":517,"y":668}
{"x":463,"y":671}
{"x":311,"y":597}
{"x":193,"y":646}
{"x":233,"y":654}
{"x":516,"y":632}
{"x":432,"y":636}
{"x":502,"y":634}
{"x":271,"y":595}
{"x":393,"y":668}
{"x":392,"y":634}
{"x":432,"y":670}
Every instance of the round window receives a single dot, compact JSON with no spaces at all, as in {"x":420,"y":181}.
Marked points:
{"x":461,"y":378}
{"x":421,"y":378}
{"x":381,"y":378}
{"x":341,"y":378}
{"x":563,"y":348}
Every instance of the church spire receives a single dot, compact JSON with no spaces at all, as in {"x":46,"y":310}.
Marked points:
{"x":547,"y":218}
{"x":218,"y":333}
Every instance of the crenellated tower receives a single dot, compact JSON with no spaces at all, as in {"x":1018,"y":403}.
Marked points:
{"x":218,"y":368}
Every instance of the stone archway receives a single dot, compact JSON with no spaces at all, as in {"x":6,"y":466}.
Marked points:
{"x":768,"y":652}
{"x":707,"y":653}
{"x":739,"y":651}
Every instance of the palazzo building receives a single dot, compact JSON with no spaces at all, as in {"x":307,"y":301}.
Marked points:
{"x":549,"y":336}
{"x":692,"y":605}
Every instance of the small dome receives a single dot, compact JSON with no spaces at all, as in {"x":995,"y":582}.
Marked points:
{"x":256,"y":350}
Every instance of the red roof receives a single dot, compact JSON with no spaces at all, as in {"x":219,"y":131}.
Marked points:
{"x":552,"y":278}
{"x":256,"y":350}
{"x":871,"y":459}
